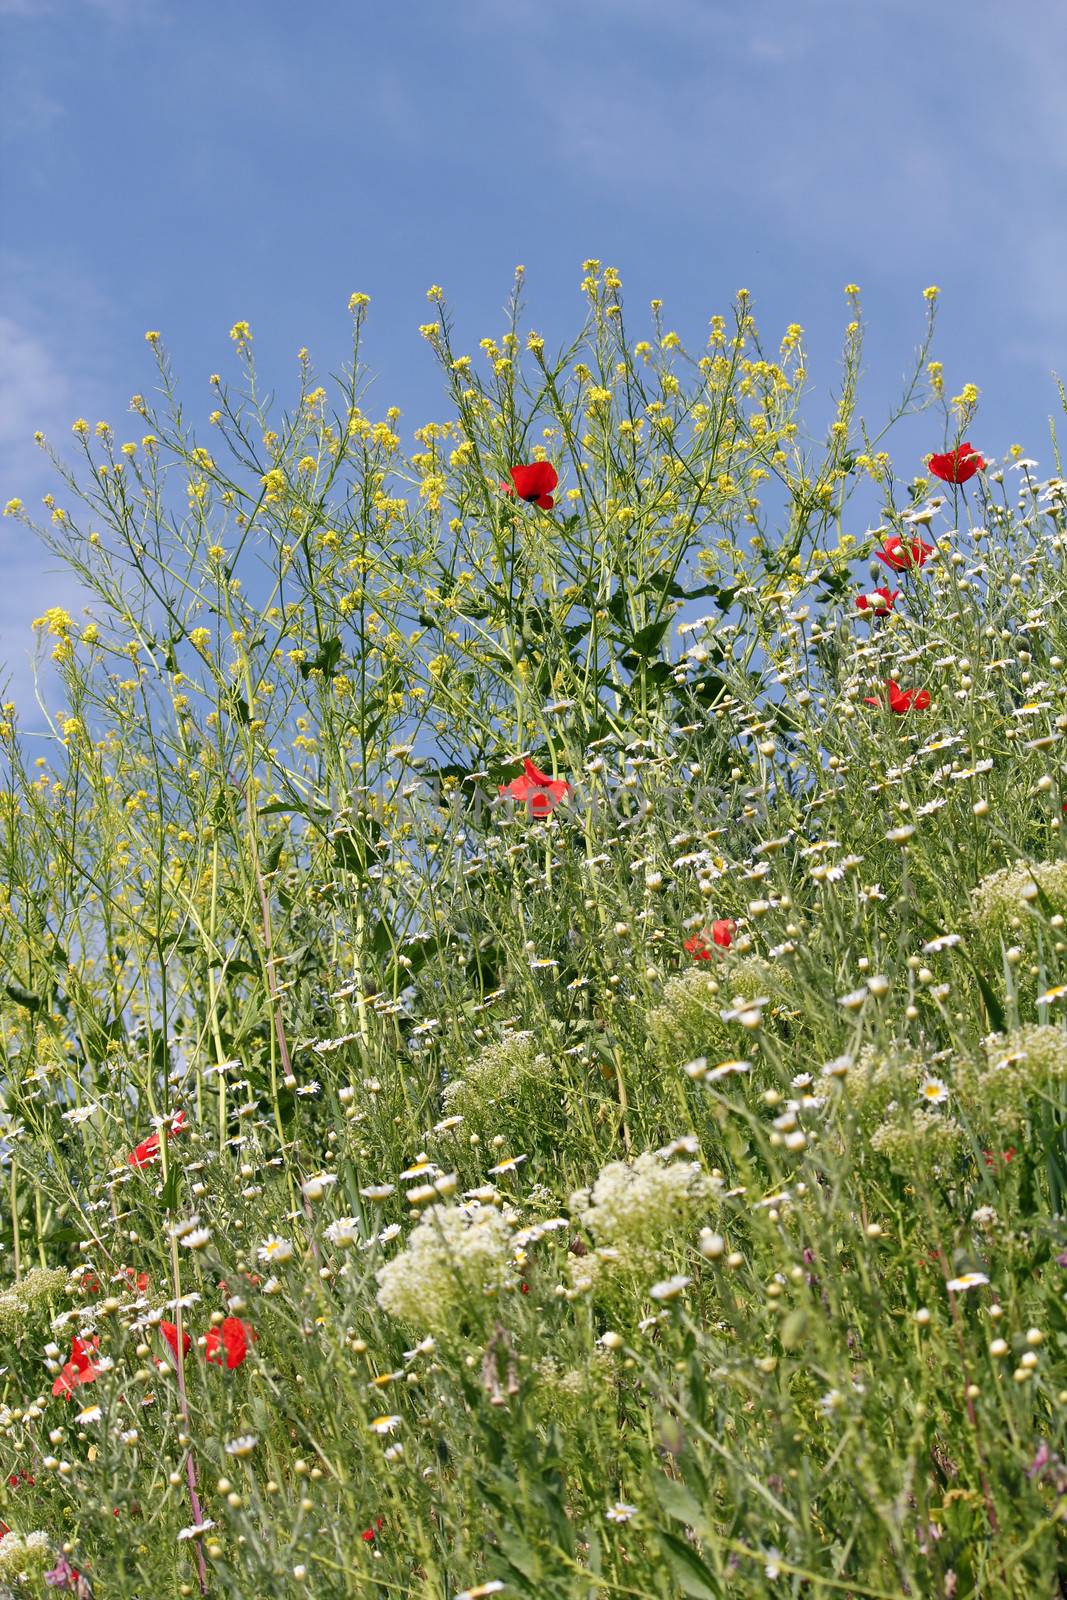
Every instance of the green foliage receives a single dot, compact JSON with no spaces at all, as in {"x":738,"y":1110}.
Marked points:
{"x":588,"y":1263}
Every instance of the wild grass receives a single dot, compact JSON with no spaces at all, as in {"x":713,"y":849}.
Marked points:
{"x":641,"y":1172}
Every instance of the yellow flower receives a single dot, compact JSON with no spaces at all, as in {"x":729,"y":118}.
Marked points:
{"x":274,"y":485}
{"x":357,"y":301}
{"x":852,"y":288}
{"x":435,"y":292}
{"x":80,"y":427}
{"x":13,"y":507}
{"x":153,"y":336}
{"x":57,"y":622}
{"x":240,"y":333}
{"x":306,"y":464}
{"x":931,"y":293}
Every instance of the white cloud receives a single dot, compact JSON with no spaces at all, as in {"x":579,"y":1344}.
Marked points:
{"x":115,"y":10}
{"x":34,"y":390}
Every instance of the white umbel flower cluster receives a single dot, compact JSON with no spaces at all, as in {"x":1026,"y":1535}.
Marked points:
{"x":455,"y":1256}
{"x":636,"y":1207}
{"x":23,"y":1555}
{"x":501,"y":1074}
{"x":1007,"y":902}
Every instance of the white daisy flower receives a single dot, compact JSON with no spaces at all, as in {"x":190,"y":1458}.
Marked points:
{"x":966,"y":1280}
{"x":670,"y":1288}
{"x":273,"y":1251}
{"x":243,"y":1445}
{"x":621,"y":1512}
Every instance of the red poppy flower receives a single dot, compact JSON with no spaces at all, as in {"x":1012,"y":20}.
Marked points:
{"x":722,"y":934}
{"x":136,"y":1280}
{"x":956,"y":466}
{"x":540,"y":793}
{"x":880,"y":601}
{"x":1006,"y":1155}
{"x":369,"y":1534}
{"x":228,"y":1344}
{"x":80,"y":1367}
{"x":169,"y":1330}
{"x":900,"y":555}
{"x":902,"y":700}
{"x":148,"y":1149}
{"x":534,"y":483}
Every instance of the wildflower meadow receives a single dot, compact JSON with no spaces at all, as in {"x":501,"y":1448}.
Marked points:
{"x":534,"y":983}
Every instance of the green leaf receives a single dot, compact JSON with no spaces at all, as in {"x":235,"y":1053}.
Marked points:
{"x":325,"y":660}
{"x":353,"y":852}
{"x":65,"y":1235}
{"x":992,"y":1004}
{"x":680,"y":1503}
{"x":691,"y":1574}
{"x":306,"y":809}
{"x":170,"y":1188}
{"x":616,"y":606}
{"x":647,"y":640}
{"x":275,"y":846}
{"x":22,"y":997}
{"x":793,"y":1329}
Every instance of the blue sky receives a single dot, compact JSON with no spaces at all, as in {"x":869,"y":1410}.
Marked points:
{"x":180,"y":164}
